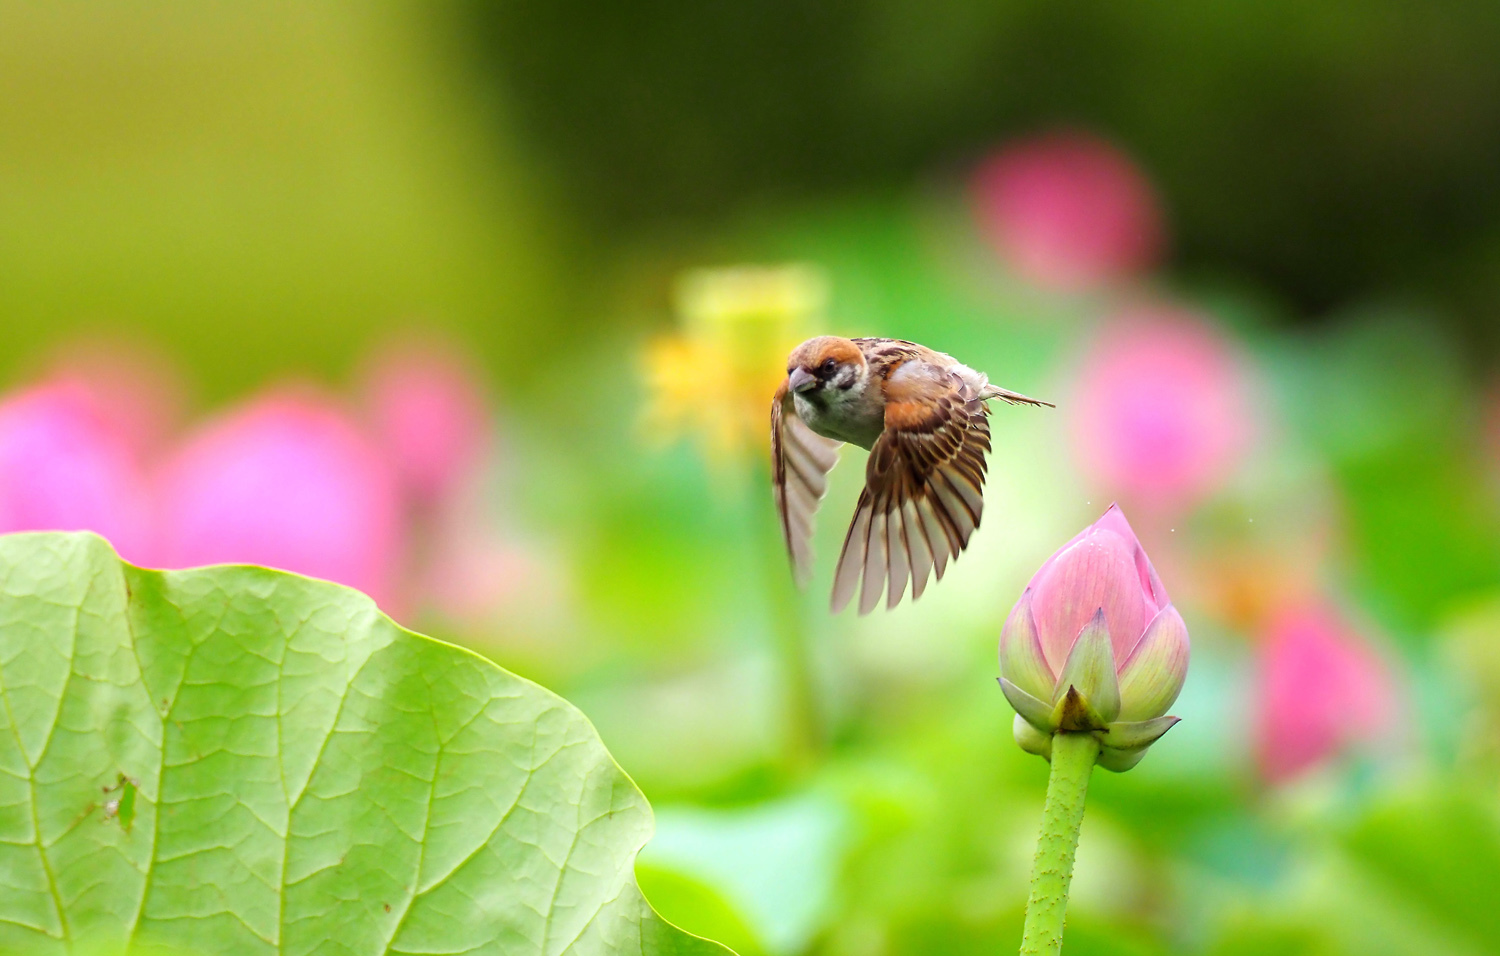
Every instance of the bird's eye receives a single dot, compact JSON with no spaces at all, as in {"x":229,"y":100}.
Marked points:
{"x":828,"y":366}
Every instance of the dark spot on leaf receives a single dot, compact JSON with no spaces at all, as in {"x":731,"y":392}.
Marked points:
{"x":387,"y":907}
{"x":126,"y":810}
{"x":121,"y":808}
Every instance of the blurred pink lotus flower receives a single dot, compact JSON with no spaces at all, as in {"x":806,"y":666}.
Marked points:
{"x":287,"y":480}
{"x":65,"y":466}
{"x":1069,"y":211}
{"x":428,"y":411}
{"x":138,"y":391}
{"x":1095,"y":645}
{"x":1162,"y":413}
{"x":1322,"y":688}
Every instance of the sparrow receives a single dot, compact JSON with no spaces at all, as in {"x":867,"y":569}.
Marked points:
{"x":923,"y":418}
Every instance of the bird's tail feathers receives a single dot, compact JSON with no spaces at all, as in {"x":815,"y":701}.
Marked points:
{"x":1012,"y":398}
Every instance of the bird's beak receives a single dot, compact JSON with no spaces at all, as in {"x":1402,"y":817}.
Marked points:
{"x":801,"y":380}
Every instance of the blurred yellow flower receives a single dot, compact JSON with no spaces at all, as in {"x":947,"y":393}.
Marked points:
{"x":714,"y":379}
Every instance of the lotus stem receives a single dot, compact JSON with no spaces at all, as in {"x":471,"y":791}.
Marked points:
{"x":1073,"y":757}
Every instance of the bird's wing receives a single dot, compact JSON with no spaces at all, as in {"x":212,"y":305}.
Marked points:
{"x":923,"y":491}
{"x":800,"y":462}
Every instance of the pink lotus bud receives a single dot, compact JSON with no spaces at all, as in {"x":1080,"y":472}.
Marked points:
{"x":427,"y":409}
{"x":1162,"y":415}
{"x":1095,"y":645}
{"x":287,"y":481}
{"x":1322,"y":688}
{"x":1069,"y":211}
{"x":65,"y":467}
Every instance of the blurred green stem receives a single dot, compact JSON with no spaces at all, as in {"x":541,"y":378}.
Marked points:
{"x":1052,"y":870}
{"x":804,"y":734}
{"x":804,"y":719}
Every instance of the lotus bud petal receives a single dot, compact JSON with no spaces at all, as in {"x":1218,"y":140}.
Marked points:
{"x":1097,"y":571}
{"x":1091,"y":669}
{"x":1097,"y":616}
{"x":1152,"y":677}
{"x":1021,"y":659}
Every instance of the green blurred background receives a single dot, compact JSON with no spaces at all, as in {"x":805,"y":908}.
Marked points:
{"x":256,"y":194}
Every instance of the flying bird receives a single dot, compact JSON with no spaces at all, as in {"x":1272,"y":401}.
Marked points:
{"x":922,"y":416}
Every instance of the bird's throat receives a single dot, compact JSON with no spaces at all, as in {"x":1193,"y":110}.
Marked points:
{"x":844,"y":415}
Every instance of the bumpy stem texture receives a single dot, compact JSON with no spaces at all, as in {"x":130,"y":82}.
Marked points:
{"x":1072,"y":762}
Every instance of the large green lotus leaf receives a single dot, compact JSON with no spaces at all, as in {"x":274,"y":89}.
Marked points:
{"x":292,"y":773}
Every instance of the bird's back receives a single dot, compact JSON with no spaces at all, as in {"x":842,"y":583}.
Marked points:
{"x":886,"y":355}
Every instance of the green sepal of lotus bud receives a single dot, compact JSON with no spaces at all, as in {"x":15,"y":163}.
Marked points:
{"x":1074,"y":714}
{"x":1122,"y":744}
{"x":1035,"y":712}
{"x":1030,"y":739}
{"x":1135,"y":734}
{"x":1119,"y":761}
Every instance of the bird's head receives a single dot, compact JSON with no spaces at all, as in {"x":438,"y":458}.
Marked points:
{"x":824,"y":367}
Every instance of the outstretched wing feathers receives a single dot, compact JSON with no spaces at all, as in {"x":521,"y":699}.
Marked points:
{"x":800,"y":462}
{"x":924,"y":488}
